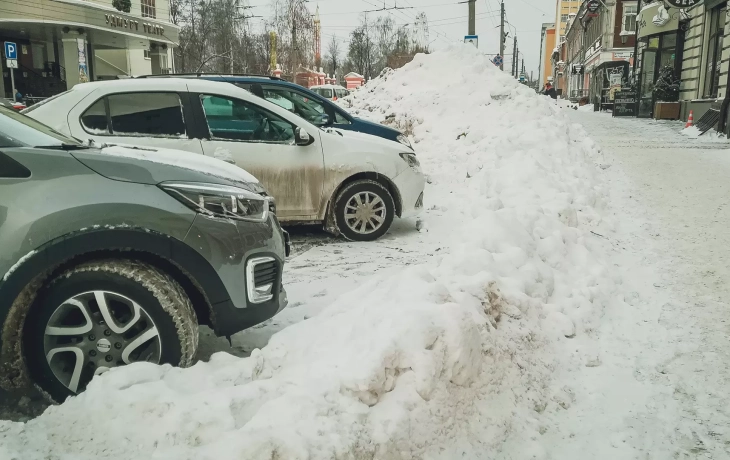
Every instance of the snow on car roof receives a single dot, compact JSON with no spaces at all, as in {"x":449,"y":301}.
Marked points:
{"x":327,"y":87}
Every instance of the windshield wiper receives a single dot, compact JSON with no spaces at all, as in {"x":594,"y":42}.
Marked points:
{"x":63,"y":147}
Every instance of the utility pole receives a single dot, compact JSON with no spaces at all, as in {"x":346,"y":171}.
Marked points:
{"x":472,"y":17}
{"x":514,"y":58}
{"x":294,"y":45}
{"x":523,"y":65}
{"x":502,"y":38}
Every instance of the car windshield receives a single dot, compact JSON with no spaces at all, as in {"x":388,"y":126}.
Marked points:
{"x":324,"y":92}
{"x":18,"y":130}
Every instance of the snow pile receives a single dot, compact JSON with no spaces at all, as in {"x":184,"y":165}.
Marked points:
{"x":449,"y":359}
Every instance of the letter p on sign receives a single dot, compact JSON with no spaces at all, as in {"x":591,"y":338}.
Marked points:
{"x":11,"y":50}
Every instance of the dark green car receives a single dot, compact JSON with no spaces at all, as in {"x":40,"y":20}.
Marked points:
{"x":110,"y":256}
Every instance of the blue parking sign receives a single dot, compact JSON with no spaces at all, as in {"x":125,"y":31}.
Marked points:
{"x":11,"y":50}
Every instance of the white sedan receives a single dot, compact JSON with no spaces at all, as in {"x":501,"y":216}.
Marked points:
{"x":353,"y":183}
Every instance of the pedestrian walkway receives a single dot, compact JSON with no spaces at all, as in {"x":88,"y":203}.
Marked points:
{"x":665,"y":394}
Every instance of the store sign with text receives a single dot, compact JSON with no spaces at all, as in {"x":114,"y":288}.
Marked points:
{"x":592,"y":8}
{"x":681,"y":3}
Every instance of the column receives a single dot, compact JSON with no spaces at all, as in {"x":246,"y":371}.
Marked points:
{"x":75,"y":61}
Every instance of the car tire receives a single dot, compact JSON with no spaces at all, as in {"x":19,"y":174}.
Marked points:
{"x":69,"y":337}
{"x":364,"y":210}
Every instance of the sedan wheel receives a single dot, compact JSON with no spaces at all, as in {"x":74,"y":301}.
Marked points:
{"x":102,"y":315}
{"x":364,"y":210}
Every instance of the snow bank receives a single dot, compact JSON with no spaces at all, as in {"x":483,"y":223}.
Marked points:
{"x":449,"y":359}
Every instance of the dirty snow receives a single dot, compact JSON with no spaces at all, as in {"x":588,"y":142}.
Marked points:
{"x":467,"y":339}
{"x":188,"y":160}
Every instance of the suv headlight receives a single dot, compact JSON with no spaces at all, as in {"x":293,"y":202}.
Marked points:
{"x":411,"y":159}
{"x":403,"y":139}
{"x":220,"y":200}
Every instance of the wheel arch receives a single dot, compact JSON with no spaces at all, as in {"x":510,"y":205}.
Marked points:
{"x":369,"y":175}
{"x":17,"y":292}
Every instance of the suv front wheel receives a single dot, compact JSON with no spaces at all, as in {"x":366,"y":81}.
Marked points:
{"x":105,"y":314}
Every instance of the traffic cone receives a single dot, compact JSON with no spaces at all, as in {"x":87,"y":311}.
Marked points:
{"x":690,"y":120}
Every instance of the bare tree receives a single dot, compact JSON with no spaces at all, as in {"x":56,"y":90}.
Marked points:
{"x":332,"y":61}
{"x":360,"y":56}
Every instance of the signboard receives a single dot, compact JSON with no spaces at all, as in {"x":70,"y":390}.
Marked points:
{"x":654,"y":19}
{"x":83,"y":69}
{"x":498,"y":60}
{"x":11,"y":50}
{"x":473,"y":39}
{"x":12,"y":63}
{"x":593,"y":49}
{"x":592,"y":8}
{"x":624,"y":103}
{"x":681,"y":3}
{"x":522,"y":78}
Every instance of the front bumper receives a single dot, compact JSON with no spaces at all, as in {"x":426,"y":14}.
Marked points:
{"x":411,"y":183}
{"x":230,"y":247}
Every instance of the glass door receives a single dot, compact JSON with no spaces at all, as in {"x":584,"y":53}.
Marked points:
{"x":646,"y":84}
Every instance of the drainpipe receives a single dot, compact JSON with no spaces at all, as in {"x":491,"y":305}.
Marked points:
{"x":722,"y":122}
{"x":636,"y":48}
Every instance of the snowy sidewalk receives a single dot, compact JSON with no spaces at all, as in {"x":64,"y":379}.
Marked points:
{"x":662,"y":390}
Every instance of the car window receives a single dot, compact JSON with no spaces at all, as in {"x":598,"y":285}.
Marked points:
{"x":340,"y":119}
{"x":17,"y":130}
{"x":94,"y":119}
{"x":146,"y":114}
{"x":296,"y":102}
{"x":237,"y":120}
{"x":324,"y":92}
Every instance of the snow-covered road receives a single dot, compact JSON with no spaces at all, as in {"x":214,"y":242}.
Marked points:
{"x":663,"y":389}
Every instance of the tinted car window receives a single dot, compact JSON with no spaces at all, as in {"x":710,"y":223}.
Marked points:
{"x":237,"y":120}
{"x":324,"y":92}
{"x":94,"y":120}
{"x":296,"y":102}
{"x":146,"y":114}
{"x":18,"y":130}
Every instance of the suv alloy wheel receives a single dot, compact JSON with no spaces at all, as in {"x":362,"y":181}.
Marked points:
{"x":106,"y":314}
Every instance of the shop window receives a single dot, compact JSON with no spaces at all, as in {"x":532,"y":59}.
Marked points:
{"x":714,"y":51}
{"x":148,"y":9}
{"x":629,"y":20}
{"x":146,"y":114}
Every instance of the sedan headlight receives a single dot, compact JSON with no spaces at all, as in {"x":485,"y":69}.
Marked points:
{"x":411,"y":159}
{"x":220,"y":200}
{"x":403,"y":139}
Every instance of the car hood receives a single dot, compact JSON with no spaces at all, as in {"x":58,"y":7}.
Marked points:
{"x":146,"y":165}
{"x":368,"y":142}
{"x":380,"y":129}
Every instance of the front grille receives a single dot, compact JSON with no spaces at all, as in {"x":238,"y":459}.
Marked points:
{"x":265,"y":273}
{"x":262,"y":274}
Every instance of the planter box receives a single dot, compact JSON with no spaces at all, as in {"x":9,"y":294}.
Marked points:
{"x":666,"y":111}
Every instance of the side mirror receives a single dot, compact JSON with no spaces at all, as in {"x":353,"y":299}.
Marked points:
{"x":302,"y":137}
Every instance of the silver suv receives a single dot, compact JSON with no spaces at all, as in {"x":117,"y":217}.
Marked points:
{"x":108,"y":258}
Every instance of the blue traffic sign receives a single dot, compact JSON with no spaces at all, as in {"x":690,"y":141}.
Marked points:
{"x":11,"y":50}
{"x":498,"y":61}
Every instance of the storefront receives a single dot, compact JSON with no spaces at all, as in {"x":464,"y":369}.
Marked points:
{"x":65,"y":42}
{"x":660,"y":44}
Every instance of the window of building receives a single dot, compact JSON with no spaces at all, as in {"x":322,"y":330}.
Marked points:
{"x":147,"y":54}
{"x":148,"y":9}
{"x":563,"y":17}
{"x":714,"y":51}
{"x":146,"y":114}
{"x":629,"y":20}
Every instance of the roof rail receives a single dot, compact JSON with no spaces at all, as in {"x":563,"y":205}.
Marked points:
{"x":207,"y":74}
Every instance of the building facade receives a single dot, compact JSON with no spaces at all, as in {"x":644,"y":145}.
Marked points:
{"x":565,"y":10}
{"x":598,"y":50}
{"x":64,"y":42}
{"x":547,"y":45}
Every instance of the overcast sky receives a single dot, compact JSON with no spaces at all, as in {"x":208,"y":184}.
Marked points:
{"x":447,"y":21}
